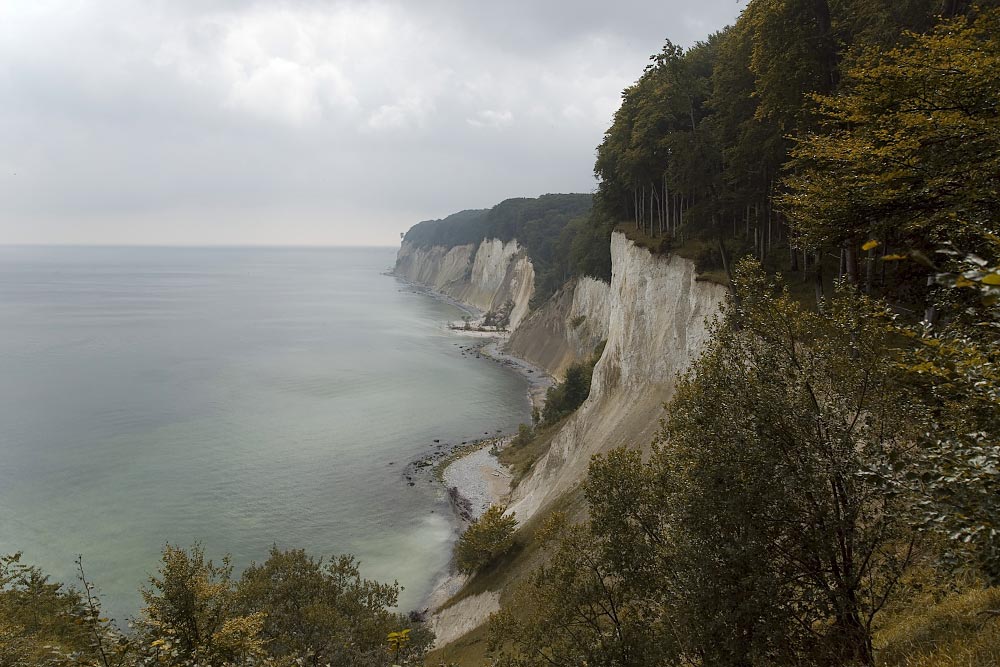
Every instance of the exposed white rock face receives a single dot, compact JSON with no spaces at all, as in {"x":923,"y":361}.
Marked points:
{"x":657,"y":313}
{"x":566,"y":329}
{"x":435,"y":267}
{"x":463,"y":616}
{"x":486,"y":277}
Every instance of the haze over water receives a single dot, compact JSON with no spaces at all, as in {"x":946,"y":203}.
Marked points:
{"x":236,"y":397}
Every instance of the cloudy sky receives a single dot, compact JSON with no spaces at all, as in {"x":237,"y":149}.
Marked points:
{"x":306,"y":122}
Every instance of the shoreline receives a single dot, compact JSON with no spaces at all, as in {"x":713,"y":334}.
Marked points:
{"x":471,"y":476}
{"x":474,"y":480}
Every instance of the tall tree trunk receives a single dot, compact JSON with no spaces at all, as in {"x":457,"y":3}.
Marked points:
{"x":635,"y":204}
{"x":818,"y":281}
{"x":851,"y":259}
{"x":652,"y":191}
{"x":666,"y":205}
{"x":724,"y":254}
{"x":869,"y":270}
{"x":642,"y":209}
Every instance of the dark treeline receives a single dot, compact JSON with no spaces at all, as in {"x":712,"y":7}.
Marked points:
{"x":711,"y":144}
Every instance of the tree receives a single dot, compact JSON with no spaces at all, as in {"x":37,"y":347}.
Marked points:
{"x":486,"y":539}
{"x":954,"y":483}
{"x":910,"y":152}
{"x":755,"y":533}
{"x":40,"y":622}
{"x":771,"y":432}
{"x":190,"y":615}
{"x":322,"y":612}
{"x":573,"y":610}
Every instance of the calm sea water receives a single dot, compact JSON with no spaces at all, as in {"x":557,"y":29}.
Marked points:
{"x":236,"y":397}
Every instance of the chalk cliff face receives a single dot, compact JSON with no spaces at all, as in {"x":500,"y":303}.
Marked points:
{"x":485,"y":277}
{"x":656,"y":312}
{"x":567,"y":329}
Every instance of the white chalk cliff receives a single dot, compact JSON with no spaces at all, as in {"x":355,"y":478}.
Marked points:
{"x":656,"y":313}
{"x":485,"y":277}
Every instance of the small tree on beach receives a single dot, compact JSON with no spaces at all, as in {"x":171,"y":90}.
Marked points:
{"x":489,"y":537}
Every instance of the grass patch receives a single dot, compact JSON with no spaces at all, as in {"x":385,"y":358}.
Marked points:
{"x":468,"y":650}
{"x":520,"y":455}
{"x":961,"y":630}
{"x":704,"y":254}
{"x":716,"y":277}
{"x":658,"y":245}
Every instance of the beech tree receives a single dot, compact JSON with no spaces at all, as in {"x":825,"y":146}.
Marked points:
{"x":910,"y":151}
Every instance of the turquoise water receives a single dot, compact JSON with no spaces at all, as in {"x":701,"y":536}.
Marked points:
{"x":236,"y":397}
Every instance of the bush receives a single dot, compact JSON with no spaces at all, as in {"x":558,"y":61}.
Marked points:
{"x":569,"y":394}
{"x":525,"y":434}
{"x":489,"y":537}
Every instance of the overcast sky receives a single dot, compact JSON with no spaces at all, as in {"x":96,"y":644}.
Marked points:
{"x":304,"y":122}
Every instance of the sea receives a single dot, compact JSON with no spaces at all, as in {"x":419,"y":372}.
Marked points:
{"x":236,"y":398}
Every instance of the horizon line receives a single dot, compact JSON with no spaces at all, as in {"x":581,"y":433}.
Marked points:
{"x":233,"y":246}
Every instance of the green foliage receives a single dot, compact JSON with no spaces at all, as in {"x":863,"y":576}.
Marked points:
{"x":568,"y":395}
{"x":322,"y":612}
{"x":462,"y":228}
{"x":291,"y":610}
{"x":574,"y":611}
{"x":699,"y":144}
{"x":955,"y":481}
{"x":486,"y":539}
{"x":524,"y":435}
{"x":41,"y":623}
{"x":767,"y":439}
{"x":910,"y":152}
{"x":191,"y":614}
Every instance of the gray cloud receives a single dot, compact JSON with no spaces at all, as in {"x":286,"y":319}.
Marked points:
{"x":305,"y":121}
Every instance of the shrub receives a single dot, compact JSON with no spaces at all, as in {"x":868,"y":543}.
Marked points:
{"x":489,"y":537}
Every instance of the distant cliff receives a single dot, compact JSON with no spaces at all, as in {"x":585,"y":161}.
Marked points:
{"x":487,"y":276}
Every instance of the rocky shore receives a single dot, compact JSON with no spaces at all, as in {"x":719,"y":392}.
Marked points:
{"x":472,"y":476}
